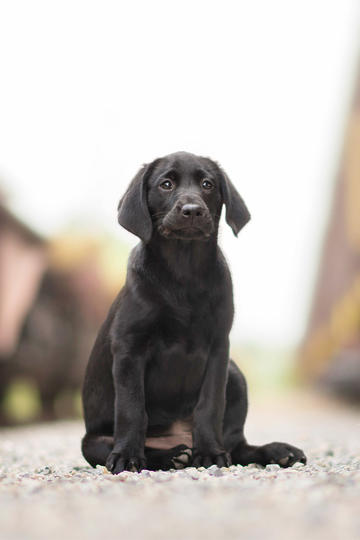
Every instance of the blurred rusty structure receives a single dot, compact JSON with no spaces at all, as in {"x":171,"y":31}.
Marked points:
{"x":331,"y":351}
{"x":22,"y":264}
{"x":54,"y":294}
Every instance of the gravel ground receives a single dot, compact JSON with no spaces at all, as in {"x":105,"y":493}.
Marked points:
{"x":48,"y":491}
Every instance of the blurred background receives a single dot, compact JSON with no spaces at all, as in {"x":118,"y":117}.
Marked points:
{"x":90,"y":91}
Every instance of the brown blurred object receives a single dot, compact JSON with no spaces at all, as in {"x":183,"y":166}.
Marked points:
{"x":22,"y":263}
{"x":53,"y":297}
{"x":331,"y":352}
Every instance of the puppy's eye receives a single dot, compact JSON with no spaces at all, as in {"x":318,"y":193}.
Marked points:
{"x":206,"y":184}
{"x":167,"y":185}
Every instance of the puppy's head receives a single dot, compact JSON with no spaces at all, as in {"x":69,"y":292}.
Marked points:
{"x":180,"y":196}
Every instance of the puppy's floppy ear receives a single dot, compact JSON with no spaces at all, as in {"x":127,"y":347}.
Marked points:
{"x":133,"y":211}
{"x":237,"y":215}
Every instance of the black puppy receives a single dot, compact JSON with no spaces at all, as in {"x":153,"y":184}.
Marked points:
{"x":162,"y":355}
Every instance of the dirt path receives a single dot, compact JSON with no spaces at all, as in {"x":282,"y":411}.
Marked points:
{"x":47,"y":491}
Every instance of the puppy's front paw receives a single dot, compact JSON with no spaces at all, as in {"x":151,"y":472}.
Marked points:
{"x":206,"y":459}
{"x":117,"y":463}
{"x":283,"y":454}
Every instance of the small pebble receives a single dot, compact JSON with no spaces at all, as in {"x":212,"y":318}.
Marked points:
{"x":272,"y":467}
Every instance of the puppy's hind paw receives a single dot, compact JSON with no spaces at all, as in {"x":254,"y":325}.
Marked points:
{"x":182,"y":458}
{"x":283,"y":454}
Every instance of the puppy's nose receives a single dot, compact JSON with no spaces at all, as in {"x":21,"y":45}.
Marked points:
{"x":192,"y":210}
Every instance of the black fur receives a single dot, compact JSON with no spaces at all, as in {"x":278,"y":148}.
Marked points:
{"x":162,"y":355}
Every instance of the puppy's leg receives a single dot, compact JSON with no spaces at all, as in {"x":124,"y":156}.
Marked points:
{"x":98,"y":403}
{"x":241,"y":452}
{"x":130,"y":415}
{"x":96,"y":448}
{"x":208,"y":444}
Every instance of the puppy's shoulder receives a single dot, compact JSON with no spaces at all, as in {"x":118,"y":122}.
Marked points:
{"x":222,"y":265}
{"x":137,"y":260}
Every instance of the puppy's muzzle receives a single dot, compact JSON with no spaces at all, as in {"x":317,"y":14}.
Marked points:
{"x":188,"y":220}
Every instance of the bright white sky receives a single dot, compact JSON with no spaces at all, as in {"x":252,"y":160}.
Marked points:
{"x":91,"y":90}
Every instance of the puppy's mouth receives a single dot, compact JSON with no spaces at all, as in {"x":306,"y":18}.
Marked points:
{"x":185,"y":222}
{"x":184,"y":233}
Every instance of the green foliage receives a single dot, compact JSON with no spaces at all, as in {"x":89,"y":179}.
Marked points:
{"x":22,"y":401}
{"x":266,"y":369}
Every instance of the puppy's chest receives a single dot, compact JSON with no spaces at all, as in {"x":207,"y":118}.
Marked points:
{"x":180,"y":343}
{"x":191,"y":318}
{"x":173,"y":378}
{"x":180,"y":348}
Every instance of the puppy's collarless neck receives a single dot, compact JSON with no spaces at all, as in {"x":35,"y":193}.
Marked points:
{"x":182,"y":258}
